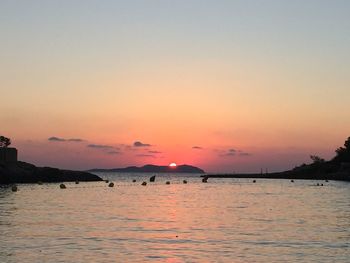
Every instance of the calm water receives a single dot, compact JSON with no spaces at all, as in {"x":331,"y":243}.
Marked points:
{"x":225,"y":220}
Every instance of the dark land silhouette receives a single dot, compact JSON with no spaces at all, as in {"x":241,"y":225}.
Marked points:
{"x":22,"y":172}
{"x":153,"y":169}
{"x":13,"y":171}
{"x":338,"y":168}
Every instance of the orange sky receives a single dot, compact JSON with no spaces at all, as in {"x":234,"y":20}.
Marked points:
{"x":270,"y":82}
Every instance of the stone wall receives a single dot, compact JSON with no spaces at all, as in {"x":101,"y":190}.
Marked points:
{"x":8,"y":155}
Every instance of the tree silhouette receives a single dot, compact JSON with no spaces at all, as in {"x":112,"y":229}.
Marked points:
{"x":4,"y":142}
{"x":343,"y":153}
{"x":317,"y":159}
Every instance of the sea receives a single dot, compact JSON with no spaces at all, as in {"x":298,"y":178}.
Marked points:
{"x":224,"y":220}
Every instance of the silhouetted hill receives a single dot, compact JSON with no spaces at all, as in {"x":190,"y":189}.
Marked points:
{"x":149,"y":168}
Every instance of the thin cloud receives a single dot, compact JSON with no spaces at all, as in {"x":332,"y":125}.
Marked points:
{"x":100,"y":146}
{"x":140,"y":144}
{"x":146,"y":155}
{"x":197,"y":147}
{"x":233,"y":152}
{"x":56,"y":139}
{"x":75,"y":140}
{"x":229,"y":154}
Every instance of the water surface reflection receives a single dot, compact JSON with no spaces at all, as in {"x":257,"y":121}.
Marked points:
{"x":226,"y":220}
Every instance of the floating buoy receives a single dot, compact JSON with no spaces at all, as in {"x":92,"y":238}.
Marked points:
{"x":292,"y":181}
{"x":254,"y":181}
{"x":14,"y":188}
{"x":321,"y":184}
{"x":152,"y":178}
{"x":111,"y":185}
{"x":167,"y":182}
{"x":134,"y":181}
{"x":144,"y":183}
{"x":63,"y":186}
{"x":184,"y":181}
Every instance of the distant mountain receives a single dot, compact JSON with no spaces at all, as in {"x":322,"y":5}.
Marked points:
{"x":149,"y":168}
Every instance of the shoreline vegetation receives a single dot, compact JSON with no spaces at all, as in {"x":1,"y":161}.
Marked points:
{"x":338,"y":168}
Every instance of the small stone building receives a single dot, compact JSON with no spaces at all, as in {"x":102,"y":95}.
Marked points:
{"x":8,"y":155}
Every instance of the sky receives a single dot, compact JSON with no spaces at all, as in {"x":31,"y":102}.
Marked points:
{"x":224,"y":85}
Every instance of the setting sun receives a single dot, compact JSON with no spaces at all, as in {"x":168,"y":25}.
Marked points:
{"x":172,"y":165}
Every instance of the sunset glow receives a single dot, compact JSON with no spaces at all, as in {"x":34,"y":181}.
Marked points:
{"x":115,"y":88}
{"x":174,"y":131}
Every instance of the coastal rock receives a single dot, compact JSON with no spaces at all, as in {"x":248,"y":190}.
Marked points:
{"x":22,"y":172}
{"x":152,"y":178}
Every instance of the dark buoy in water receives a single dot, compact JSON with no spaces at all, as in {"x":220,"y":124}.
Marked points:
{"x":111,"y":185}
{"x":254,"y":181}
{"x":152,"y":178}
{"x":76,"y":182}
{"x":321,"y":184}
{"x":134,"y":181}
{"x":167,"y":182}
{"x":144,"y":183}
{"x":184,"y":181}
{"x":14,"y":188}
{"x":292,"y":181}
{"x":63,"y":186}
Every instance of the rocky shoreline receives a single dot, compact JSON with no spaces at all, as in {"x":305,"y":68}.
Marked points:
{"x":26,"y":173}
{"x":286,"y":175}
{"x":330,"y":170}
